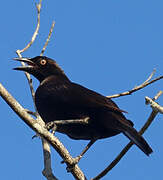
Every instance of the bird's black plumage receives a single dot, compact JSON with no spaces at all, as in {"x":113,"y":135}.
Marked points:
{"x":57,"y":98}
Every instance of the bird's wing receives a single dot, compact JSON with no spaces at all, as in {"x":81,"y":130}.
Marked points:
{"x":94,"y":99}
{"x":75,"y":94}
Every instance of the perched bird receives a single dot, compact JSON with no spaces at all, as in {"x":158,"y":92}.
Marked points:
{"x":58,"y":98}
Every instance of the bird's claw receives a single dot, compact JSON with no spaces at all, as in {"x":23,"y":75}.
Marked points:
{"x":69,"y":168}
{"x":51,"y":126}
{"x":54,"y":129}
{"x":31,"y":112}
{"x":35,"y":136}
{"x":75,"y":161}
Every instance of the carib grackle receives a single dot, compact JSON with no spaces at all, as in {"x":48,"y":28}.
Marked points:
{"x":58,"y":98}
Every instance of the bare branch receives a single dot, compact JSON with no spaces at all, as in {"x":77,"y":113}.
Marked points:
{"x":38,"y":6}
{"x":29,"y":82}
{"x":55,"y":143}
{"x":128,"y":146}
{"x":47,"y":172}
{"x":155,"y":106}
{"x":157,"y":95}
{"x":150,"y":77}
{"x":73,"y":121}
{"x":141,"y":86}
{"x":47,"y":41}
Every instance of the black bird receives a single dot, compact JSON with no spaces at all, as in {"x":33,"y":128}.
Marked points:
{"x":58,"y":98}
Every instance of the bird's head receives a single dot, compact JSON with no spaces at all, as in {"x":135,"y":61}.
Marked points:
{"x":40,"y":67}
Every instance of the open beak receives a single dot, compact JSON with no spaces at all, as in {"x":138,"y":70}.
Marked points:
{"x":29,"y":63}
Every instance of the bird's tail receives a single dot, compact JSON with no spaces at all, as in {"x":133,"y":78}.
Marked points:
{"x":137,"y":139}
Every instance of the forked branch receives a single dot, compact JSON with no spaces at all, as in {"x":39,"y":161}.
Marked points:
{"x":38,"y":6}
{"x":141,"y":86}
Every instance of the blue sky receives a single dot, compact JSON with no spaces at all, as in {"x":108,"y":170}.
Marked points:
{"x":108,"y":46}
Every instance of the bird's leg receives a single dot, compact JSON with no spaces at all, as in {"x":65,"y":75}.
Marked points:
{"x":91,"y":142}
{"x":77,"y":159}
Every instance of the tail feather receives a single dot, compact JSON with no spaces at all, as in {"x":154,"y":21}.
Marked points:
{"x":137,"y":139}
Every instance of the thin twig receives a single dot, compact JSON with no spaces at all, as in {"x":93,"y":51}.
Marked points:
{"x":144,"y":84}
{"x":128,"y":146}
{"x":73,"y":121}
{"x":29,"y":79}
{"x":55,"y":143}
{"x":38,"y":6}
{"x":150,"y":77}
{"x":154,"y":105}
{"x":47,"y":41}
{"x":157,"y":95}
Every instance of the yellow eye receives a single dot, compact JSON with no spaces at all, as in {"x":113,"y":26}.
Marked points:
{"x":43,"y":62}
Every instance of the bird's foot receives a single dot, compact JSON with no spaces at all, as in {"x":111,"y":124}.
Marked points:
{"x":70,"y":168}
{"x":51,"y":126}
{"x":54,"y":129}
{"x":31,"y":112}
{"x":35,"y":136}
{"x":75,"y":161}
